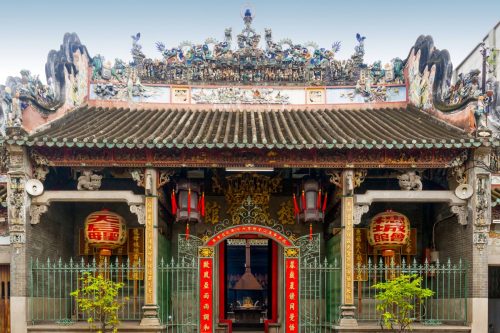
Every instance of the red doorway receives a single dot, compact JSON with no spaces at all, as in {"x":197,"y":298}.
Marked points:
{"x":231,"y":308}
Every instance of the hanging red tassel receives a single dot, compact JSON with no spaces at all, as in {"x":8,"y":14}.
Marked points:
{"x":187,"y":231}
{"x":303,"y":200}
{"x":324,"y":202}
{"x":310,"y":231}
{"x":295,"y":206}
{"x":189,"y":204}
{"x":318,"y":202}
{"x":203,"y":204}
{"x":174,"y":203}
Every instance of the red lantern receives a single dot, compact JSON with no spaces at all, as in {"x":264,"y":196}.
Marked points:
{"x":105,"y":230}
{"x":389,"y":230}
{"x":190,"y":204}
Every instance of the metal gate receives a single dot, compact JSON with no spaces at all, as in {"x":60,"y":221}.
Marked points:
{"x":319,"y":287}
{"x":4,"y":298}
{"x":178,"y":283}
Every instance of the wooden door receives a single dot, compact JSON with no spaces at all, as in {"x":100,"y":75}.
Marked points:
{"x":4,"y":298}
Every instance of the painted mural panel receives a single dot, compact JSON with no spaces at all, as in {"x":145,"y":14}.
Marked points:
{"x":236,"y":95}
{"x":136,"y":93}
{"x":361,"y":94}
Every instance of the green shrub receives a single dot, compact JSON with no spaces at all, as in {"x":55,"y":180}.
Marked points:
{"x":98,"y":298}
{"x":397,"y":297}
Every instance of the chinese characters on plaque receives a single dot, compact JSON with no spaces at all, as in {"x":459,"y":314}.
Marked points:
{"x":292,"y":295}
{"x":206,"y":294}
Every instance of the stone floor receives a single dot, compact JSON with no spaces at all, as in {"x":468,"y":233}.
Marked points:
{"x":416,"y":328}
{"x":79,"y":327}
{"x":134,"y":327}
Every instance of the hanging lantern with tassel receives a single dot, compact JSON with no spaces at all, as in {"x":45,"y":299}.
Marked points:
{"x":312,"y":204}
{"x":189,"y":205}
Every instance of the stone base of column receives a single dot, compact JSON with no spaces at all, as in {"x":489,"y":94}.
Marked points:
{"x":348,"y":316}
{"x":150,"y":315}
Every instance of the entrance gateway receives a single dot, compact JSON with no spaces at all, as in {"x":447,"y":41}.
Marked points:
{"x":298,"y":294}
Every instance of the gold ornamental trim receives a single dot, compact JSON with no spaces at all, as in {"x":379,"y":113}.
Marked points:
{"x":149,"y":249}
{"x":292,"y":252}
{"x":206,"y":252}
{"x":348,"y":205}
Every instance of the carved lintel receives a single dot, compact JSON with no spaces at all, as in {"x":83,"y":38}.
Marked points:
{"x":359,"y":210}
{"x":164,"y":177}
{"x":138,"y":176}
{"x":140,"y":212}
{"x":36,"y":212}
{"x":461,"y":212}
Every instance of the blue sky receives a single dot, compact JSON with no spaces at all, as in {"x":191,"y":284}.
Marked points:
{"x":30,"y":28}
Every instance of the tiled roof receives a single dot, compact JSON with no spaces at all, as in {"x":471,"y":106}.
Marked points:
{"x":249,"y":128}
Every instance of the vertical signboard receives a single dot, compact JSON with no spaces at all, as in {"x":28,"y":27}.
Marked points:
{"x":292,"y":290}
{"x":206,"y":265}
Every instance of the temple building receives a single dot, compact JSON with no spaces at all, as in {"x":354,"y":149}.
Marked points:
{"x":249,"y":184}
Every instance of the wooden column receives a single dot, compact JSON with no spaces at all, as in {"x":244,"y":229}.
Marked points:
{"x":347,"y":309}
{"x":150,"y":314}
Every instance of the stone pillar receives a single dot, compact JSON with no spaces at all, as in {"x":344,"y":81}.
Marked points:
{"x":17,"y":206}
{"x":347,"y":309}
{"x":150,"y":315}
{"x":480,"y":208}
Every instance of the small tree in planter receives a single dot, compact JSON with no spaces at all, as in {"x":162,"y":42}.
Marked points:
{"x":98,"y":298}
{"x":397,"y":298}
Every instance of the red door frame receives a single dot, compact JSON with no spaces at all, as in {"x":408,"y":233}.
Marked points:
{"x":274,"y":285}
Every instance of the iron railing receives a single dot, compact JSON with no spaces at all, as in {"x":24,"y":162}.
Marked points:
{"x":320,"y":287}
{"x":448,"y":281}
{"x":51,"y":282}
{"x":178,"y":295}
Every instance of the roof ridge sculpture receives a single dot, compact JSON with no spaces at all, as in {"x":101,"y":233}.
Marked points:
{"x":278,"y":63}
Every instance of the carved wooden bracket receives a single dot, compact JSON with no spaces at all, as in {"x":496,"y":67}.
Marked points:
{"x":140,"y":211}
{"x":460,"y":212}
{"x":36,"y":212}
{"x":359,"y":211}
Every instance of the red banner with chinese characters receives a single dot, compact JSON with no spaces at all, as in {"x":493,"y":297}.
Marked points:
{"x":206,"y":294}
{"x":292,"y":295}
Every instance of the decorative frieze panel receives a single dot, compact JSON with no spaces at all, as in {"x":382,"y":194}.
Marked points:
{"x":482,"y":210}
{"x":326,"y":158}
{"x":263,"y":95}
